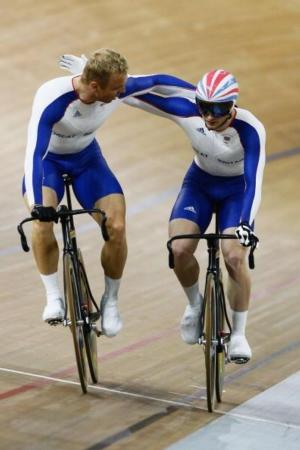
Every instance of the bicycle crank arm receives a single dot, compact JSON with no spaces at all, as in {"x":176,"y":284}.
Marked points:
{"x":96,"y":329}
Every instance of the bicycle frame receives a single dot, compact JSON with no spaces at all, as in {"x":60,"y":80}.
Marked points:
{"x":213,"y":249}
{"x":214,"y":312}
{"x":78,"y":296}
{"x":70,"y":242}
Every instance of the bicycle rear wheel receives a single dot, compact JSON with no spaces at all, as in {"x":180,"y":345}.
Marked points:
{"x":210,"y":341}
{"x":74,"y":310}
{"x":89,"y":331}
{"x":220,"y":367}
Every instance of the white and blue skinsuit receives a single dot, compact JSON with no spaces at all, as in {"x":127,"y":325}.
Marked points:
{"x":228,"y":165}
{"x":61,"y":139}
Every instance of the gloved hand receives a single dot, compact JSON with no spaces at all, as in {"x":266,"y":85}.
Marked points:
{"x":245,"y":235}
{"x":44,"y":213}
{"x":74,"y":64}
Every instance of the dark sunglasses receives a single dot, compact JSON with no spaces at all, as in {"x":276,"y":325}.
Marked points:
{"x":213,"y":109}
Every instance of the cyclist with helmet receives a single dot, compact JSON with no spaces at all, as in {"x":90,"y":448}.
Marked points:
{"x":227,"y":170}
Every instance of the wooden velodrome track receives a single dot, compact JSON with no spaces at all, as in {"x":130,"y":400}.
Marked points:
{"x":151,"y":391}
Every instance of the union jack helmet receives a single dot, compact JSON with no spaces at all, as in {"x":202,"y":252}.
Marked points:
{"x":217,"y":86}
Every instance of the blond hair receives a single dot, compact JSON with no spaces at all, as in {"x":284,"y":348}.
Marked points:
{"x":102,"y":64}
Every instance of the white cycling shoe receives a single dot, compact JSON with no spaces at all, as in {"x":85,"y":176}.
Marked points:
{"x":111,"y":322}
{"x":54,"y":310}
{"x":190,"y":326}
{"x":239,"y":349}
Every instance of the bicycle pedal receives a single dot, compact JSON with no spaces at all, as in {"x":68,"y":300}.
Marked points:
{"x":202,"y":339}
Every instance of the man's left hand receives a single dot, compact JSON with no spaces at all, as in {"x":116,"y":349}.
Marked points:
{"x":245,"y":235}
{"x":72,"y":63}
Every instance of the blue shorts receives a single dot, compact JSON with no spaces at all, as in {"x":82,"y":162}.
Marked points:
{"x":92,"y":179}
{"x":201,"y":193}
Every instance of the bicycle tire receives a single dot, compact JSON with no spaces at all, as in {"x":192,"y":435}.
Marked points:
{"x":220,"y":363}
{"x":73,"y":308}
{"x":210,"y":347}
{"x":90,"y":335}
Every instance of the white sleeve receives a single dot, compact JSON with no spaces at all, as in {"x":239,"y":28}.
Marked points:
{"x":173,"y":91}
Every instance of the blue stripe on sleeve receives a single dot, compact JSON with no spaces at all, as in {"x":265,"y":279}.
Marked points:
{"x":134,"y":85}
{"x":51,"y":114}
{"x":250,"y":140}
{"x":175,"y":106}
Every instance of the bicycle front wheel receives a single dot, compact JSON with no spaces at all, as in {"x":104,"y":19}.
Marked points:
{"x":89,"y":331}
{"x":220,"y":368}
{"x":210,"y":340}
{"x":74,"y":312}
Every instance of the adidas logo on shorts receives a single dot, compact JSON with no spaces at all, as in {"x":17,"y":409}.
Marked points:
{"x":190,"y":208}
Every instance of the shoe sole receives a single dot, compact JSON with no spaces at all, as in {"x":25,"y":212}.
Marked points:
{"x":104,"y":332}
{"x":54,"y":321}
{"x":239,"y":359}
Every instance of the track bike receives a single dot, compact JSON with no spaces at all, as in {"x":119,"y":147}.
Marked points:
{"x":215,"y":324}
{"x":81,"y":309}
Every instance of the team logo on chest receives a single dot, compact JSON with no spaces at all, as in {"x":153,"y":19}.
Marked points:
{"x":77,"y":113}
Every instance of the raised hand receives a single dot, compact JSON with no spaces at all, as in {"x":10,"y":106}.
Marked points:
{"x":72,"y":63}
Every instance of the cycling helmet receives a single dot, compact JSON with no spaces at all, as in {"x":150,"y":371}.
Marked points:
{"x":217,"y":86}
{"x":216,"y":93}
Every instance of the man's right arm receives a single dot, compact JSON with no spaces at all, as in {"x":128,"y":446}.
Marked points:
{"x":166,"y":85}
{"x":48,"y":107}
{"x":38,"y":137}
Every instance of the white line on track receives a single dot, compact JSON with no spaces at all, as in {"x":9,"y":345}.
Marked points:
{"x":148,"y":397}
{"x":100,"y":388}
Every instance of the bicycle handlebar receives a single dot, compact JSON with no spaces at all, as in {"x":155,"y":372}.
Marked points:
{"x":210,"y":237}
{"x":63,"y":211}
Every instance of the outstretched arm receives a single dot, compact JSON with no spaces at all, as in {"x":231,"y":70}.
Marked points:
{"x":160,"y":83}
{"x":174,"y":108}
{"x":163,"y":84}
